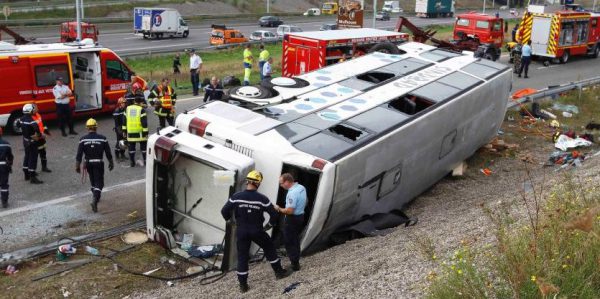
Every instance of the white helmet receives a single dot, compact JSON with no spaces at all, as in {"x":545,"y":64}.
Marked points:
{"x":27,"y":108}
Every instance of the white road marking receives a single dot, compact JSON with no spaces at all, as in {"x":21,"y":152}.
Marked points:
{"x":67,"y":198}
{"x":547,"y":67}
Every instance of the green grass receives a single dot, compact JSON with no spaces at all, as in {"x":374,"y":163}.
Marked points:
{"x":555,"y":249}
{"x":218,"y":63}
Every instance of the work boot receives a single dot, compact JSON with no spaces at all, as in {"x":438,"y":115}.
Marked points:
{"x":72,"y":132}
{"x":26,"y":175}
{"x":94,"y":205}
{"x":34,"y":180}
{"x":282,"y":273}
{"x":244,"y":287}
{"x":131,"y":163}
{"x":64,"y":134}
{"x":296,"y":266}
{"x":4,"y":203}
{"x":45,"y":166}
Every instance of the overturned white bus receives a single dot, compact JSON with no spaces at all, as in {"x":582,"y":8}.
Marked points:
{"x":364,"y":137}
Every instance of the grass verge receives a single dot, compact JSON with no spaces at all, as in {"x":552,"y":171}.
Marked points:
{"x":554,"y":250}
{"x":215,"y":63}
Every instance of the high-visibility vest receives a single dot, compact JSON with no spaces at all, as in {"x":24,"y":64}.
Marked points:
{"x":165,"y":100}
{"x":135,"y":130}
{"x":38,"y":119}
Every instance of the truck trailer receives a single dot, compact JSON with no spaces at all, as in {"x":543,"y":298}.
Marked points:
{"x":364,"y":137}
{"x":434,"y":8}
{"x":159,"y":22}
{"x":391,"y":6}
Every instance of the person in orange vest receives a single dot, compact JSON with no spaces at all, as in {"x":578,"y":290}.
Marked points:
{"x":42,"y":140}
{"x":163,"y":99}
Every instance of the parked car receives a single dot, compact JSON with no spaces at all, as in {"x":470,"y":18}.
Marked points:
{"x":283,"y":29}
{"x":312,"y":12}
{"x":269,"y":21}
{"x":263,"y":35}
{"x":382,"y":16}
{"x":326,"y":27}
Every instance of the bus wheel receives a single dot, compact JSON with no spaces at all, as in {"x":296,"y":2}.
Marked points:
{"x":565,"y":57}
{"x":14,"y":123}
{"x":386,"y":47}
{"x":252,"y":92}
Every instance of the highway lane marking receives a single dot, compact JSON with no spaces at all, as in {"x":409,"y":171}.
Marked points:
{"x":153,"y":47}
{"x":68,"y":198}
{"x":547,"y":67}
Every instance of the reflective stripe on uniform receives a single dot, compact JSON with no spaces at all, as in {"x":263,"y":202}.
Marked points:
{"x":275,"y":261}
{"x":249,"y":202}
{"x":241,"y":273}
{"x":94,"y":160}
{"x":2,"y":162}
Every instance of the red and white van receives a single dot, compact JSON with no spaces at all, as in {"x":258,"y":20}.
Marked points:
{"x":97,"y":76}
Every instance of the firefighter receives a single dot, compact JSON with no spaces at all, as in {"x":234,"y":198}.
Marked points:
{"x":118,"y":118}
{"x":164,"y":98}
{"x":6,"y":161}
{"x":94,"y":146}
{"x":249,"y":207}
{"x":31,"y":135}
{"x":135,"y":128}
{"x":42,"y":141}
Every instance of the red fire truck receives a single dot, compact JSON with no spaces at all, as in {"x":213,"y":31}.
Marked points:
{"x":97,"y":76}
{"x":68,"y":31}
{"x":561,"y":35}
{"x":307,"y":51}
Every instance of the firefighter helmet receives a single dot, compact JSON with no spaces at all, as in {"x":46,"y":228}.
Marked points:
{"x":254,"y":176}
{"x":91,"y":123}
{"x":27,"y":108}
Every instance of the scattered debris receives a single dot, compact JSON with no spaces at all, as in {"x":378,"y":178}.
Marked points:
{"x":194,"y":269}
{"x":170,"y":283}
{"x":10,"y":270}
{"x":291,"y":287}
{"x":592,"y":126}
{"x":64,"y":292}
{"x":134,"y":237}
{"x":486,"y":171}
{"x":460,"y":169}
{"x":526,"y":157}
{"x":551,"y":115}
{"x":172,"y":262}
{"x":132,"y":215}
{"x":65,"y":251}
{"x":567,"y":114}
{"x":498,"y":145}
{"x":91,"y":250}
{"x":186,"y":243}
{"x":152,"y":271}
{"x":565,"y":108}
{"x":205,"y":251}
{"x":565,"y":142}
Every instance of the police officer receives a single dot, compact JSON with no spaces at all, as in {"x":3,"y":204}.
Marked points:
{"x":31,"y":135}
{"x":164,"y":98}
{"x":94,"y":145}
{"x":6,"y":161}
{"x":135,"y":128}
{"x":42,"y":141}
{"x":118,"y":119}
{"x":295,"y":202}
{"x":249,"y":207}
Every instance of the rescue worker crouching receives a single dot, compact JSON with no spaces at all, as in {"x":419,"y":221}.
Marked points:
{"x":118,"y":119}
{"x":94,"y":146}
{"x":135,"y":128}
{"x":42,"y":140}
{"x":247,"y":208}
{"x":163,"y":99}
{"x":6,"y":161}
{"x":31,"y":135}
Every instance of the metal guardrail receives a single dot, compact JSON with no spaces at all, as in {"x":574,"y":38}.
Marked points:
{"x":179,"y":49}
{"x":555,"y":90}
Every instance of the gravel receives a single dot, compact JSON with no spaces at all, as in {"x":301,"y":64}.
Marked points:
{"x":397,"y":265}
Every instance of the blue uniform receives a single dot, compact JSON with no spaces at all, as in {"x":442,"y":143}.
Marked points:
{"x":94,"y":146}
{"x":525,"y":59}
{"x":31,"y":131}
{"x":248,"y":208}
{"x":296,"y":199}
{"x":6,"y":160}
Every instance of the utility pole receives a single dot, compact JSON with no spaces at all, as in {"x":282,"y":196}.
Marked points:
{"x":594,"y":6}
{"x":268,"y":6}
{"x":78,"y":14}
{"x":82,"y":9}
{"x":483,"y":6}
{"x":374,"y":12}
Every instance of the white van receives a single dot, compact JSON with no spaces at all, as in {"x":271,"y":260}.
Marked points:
{"x":312,"y":12}
{"x":284,"y":29}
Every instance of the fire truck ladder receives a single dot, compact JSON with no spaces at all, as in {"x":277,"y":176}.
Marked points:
{"x":19,"y":40}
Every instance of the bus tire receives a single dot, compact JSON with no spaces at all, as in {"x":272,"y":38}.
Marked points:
{"x":385,"y":47}
{"x":12,"y":124}
{"x":298,"y":83}
{"x":260,"y":92}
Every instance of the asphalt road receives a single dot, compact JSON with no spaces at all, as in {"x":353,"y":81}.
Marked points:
{"x":120,"y":37}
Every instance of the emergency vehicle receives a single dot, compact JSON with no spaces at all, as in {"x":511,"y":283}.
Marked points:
{"x":364,"y":137}
{"x":68,"y":31}
{"x":221,"y":35}
{"x":307,"y":51}
{"x":561,"y":34}
{"x":96,"y":75}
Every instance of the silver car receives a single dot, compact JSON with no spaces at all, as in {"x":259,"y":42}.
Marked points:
{"x":263,"y":35}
